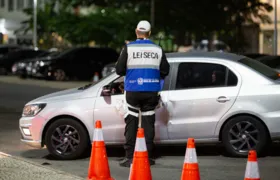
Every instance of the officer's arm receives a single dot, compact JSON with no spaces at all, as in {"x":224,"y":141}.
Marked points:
{"x":164,"y":66}
{"x":121,"y":63}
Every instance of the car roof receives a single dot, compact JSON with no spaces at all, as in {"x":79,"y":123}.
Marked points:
{"x":218,"y":55}
{"x":9,"y":45}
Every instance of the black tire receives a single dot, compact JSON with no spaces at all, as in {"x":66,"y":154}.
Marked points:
{"x":262,"y":136}
{"x":80,"y":149}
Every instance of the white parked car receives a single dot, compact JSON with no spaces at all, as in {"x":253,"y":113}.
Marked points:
{"x":210,"y":96}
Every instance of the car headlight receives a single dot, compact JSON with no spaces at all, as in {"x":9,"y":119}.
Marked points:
{"x":32,"y":109}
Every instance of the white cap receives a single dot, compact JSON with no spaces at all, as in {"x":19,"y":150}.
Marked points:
{"x":144,"y":26}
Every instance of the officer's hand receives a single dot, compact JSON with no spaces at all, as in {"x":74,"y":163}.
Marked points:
{"x":121,"y":86}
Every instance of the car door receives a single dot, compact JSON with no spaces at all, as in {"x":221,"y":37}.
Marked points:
{"x":201,"y":93}
{"x":106,"y":109}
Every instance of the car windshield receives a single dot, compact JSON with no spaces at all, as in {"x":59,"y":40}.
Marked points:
{"x":91,"y":84}
{"x":271,"y":61}
{"x":66,"y":52}
{"x":44,"y":54}
{"x":261,"y":68}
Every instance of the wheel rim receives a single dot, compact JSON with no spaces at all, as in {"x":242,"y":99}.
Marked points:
{"x":243,"y":136}
{"x":65,"y":139}
{"x":59,"y":75}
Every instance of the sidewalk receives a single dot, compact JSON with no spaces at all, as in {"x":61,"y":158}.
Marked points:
{"x":14,"y":168}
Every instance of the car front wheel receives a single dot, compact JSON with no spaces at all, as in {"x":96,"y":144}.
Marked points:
{"x":67,"y":139}
{"x":243,"y":133}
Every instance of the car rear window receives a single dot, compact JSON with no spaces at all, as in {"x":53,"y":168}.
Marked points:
{"x":261,"y":68}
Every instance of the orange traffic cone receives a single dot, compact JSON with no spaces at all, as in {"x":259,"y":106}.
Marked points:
{"x":130,"y":172}
{"x":140,"y":168}
{"x":98,"y":165}
{"x":252,"y":168}
{"x":190,"y":169}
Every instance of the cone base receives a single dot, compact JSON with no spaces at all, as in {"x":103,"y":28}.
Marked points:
{"x":190,"y":172}
{"x":252,"y":179}
{"x":140,"y":169}
{"x":95,"y":178}
{"x":99,"y":165}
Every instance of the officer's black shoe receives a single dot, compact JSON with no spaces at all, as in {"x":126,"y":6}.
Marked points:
{"x":126,"y":162}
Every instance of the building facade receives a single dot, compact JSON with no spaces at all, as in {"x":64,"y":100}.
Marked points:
{"x":11,"y":16}
{"x":266,"y":35}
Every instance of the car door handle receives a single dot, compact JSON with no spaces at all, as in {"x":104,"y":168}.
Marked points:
{"x":223,"y":99}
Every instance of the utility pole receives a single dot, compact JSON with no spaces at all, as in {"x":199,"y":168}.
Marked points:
{"x":153,"y":13}
{"x":275,"y":28}
{"x":35,"y":24}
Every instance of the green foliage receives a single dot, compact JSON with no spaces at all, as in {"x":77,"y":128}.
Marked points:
{"x":114,"y":21}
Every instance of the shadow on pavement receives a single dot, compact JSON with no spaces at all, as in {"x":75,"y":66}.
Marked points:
{"x":179,"y":150}
{"x":160,"y":151}
{"x":171,"y":150}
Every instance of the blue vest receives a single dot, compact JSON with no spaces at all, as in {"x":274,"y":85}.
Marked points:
{"x":144,"y":58}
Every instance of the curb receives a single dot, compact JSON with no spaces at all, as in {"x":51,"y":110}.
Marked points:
{"x":41,"y":166}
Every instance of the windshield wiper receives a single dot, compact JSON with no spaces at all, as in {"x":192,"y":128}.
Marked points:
{"x":85,"y":87}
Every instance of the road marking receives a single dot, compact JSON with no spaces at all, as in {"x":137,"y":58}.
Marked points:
{"x":4,"y":154}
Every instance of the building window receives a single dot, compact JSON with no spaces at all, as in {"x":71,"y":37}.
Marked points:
{"x":11,"y":5}
{"x":2,"y":3}
{"x":20,"y":4}
{"x":268,"y":44}
{"x":30,"y":3}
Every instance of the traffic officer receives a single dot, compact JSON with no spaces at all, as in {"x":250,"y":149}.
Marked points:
{"x":144,"y":65}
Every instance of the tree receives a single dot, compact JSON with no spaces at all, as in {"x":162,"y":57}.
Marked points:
{"x":45,"y":19}
{"x":239,"y":12}
{"x":114,"y":21}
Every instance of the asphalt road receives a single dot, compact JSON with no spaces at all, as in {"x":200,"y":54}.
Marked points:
{"x":213,"y":165}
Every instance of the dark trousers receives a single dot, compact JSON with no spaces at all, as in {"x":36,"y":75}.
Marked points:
{"x":147,"y":102}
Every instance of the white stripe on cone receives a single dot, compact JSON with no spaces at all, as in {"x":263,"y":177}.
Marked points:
{"x":252,"y":170}
{"x":98,"y":135}
{"x":140,"y":145}
{"x":190,"y":156}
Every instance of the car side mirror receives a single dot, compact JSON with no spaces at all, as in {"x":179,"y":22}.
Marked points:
{"x":106,"y":91}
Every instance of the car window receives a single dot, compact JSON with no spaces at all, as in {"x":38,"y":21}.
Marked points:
{"x":30,"y":54}
{"x":260,"y":68}
{"x":12,"y":55}
{"x":232,"y":79}
{"x":272,"y":62}
{"x":117,"y":86}
{"x":204,"y":75}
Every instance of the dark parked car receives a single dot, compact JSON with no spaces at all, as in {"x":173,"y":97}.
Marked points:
{"x":80,"y":63}
{"x":23,"y":68}
{"x":7,"y":61}
{"x":254,"y":55}
{"x":271,"y":61}
{"x":6,"y":48}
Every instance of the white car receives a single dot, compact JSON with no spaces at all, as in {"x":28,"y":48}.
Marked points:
{"x":210,"y":96}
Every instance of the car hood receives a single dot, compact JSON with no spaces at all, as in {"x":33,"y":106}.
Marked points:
{"x":73,"y":93}
{"x":65,"y":95}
